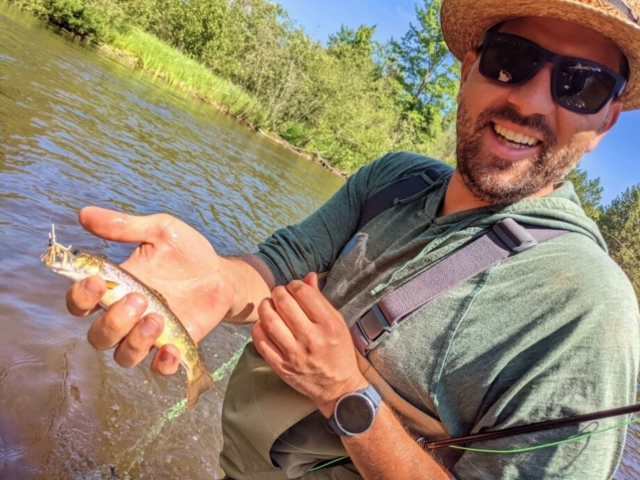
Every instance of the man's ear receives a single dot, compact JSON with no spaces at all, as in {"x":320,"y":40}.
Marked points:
{"x":467,"y":63}
{"x":609,"y":121}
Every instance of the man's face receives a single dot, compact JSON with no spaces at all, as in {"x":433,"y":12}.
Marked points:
{"x":515,"y":141}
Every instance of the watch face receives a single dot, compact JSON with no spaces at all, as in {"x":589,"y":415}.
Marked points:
{"x":355,"y":414}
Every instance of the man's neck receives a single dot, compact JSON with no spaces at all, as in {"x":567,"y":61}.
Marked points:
{"x":459,"y":199}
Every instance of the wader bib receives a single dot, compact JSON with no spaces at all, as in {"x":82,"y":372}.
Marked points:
{"x":259,"y":408}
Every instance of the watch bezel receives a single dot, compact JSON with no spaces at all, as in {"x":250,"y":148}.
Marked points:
{"x":368,"y":397}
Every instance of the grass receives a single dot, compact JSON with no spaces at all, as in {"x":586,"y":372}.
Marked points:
{"x":185,"y":74}
{"x":147,"y":52}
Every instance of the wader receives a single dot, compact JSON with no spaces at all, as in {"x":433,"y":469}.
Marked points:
{"x":259,"y":408}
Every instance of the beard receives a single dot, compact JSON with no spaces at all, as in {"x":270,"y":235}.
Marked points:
{"x":497,"y":181}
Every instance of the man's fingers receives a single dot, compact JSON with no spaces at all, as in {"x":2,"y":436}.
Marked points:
{"x":274,"y":327}
{"x":311,"y":301}
{"x":108,"y":330}
{"x":290,"y":311}
{"x":167,"y":360}
{"x":269,"y":350}
{"x":83,"y":297}
{"x":136,"y":345}
{"x":311,"y":279}
{"x":118,"y":226}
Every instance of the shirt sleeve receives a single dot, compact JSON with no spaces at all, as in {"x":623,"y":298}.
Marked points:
{"x":575,"y":352}
{"x":314,"y":244}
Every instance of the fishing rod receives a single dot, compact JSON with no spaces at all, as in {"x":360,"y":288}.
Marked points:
{"x":532,"y":427}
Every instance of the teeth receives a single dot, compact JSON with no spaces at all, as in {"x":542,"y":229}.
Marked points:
{"x":513,"y":136}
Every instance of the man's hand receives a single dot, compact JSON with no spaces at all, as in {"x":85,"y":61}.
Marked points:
{"x":307,"y":343}
{"x":172,"y":258}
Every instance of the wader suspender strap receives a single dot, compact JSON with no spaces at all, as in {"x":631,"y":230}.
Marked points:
{"x":385,"y":198}
{"x":505,"y":239}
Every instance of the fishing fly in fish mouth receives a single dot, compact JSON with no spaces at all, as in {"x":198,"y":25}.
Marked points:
{"x":75,"y":265}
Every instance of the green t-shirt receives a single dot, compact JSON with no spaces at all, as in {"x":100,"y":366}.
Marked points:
{"x":549,"y":333}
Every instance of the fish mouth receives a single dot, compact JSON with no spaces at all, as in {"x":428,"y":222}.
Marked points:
{"x":55,"y":256}
{"x":55,"y":251}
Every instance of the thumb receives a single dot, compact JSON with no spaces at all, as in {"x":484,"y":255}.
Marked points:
{"x":118,"y":226}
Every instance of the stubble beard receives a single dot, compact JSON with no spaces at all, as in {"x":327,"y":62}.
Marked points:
{"x":496,"y":181}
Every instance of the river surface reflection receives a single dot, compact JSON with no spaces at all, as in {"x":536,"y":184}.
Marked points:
{"x":77,"y":128}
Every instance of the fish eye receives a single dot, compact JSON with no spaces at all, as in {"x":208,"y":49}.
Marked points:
{"x":75,"y":252}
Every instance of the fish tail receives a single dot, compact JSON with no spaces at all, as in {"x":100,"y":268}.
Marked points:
{"x":199,"y":380}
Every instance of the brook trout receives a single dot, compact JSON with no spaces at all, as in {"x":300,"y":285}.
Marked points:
{"x":75,"y":265}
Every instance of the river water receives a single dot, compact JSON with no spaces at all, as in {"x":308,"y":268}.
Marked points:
{"x":77,"y":128}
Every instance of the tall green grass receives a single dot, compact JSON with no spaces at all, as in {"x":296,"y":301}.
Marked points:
{"x":186,"y":74}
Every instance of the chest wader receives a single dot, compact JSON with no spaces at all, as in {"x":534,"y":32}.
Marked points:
{"x":260,"y":409}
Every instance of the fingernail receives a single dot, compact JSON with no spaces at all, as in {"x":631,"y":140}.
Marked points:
{"x":166,"y":357}
{"x":91,"y":289}
{"x":149,"y":327}
{"x":135,"y":303}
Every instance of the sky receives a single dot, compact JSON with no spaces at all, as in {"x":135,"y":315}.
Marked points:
{"x":616,"y":161}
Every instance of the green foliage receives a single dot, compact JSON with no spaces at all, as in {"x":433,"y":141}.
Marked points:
{"x":589,"y":192}
{"x":350,"y":102}
{"x":295,"y":133}
{"x":93,"y":20}
{"x":355,"y":112}
{"x":348,"y":42}
{"x":620,"y":224}
{"x":428,"y":74}
{"x":187,"y":74}
{"x":141,"y":13}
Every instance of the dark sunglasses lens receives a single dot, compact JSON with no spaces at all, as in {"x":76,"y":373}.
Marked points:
{"x":582,"y":87}
{"x":510,"y":60}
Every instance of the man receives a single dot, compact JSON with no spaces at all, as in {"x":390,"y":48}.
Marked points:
{"x":548,"y":333}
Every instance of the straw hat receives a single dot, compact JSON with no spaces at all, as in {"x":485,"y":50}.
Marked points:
{"x":464,"y":21}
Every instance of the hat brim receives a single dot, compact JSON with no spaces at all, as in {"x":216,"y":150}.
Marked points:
{"x":465,"y":21}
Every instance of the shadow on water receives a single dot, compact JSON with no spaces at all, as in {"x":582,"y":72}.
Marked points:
{"x":76,"y":129}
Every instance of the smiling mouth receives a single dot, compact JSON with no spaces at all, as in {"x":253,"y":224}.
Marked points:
{"x":513,"y":139}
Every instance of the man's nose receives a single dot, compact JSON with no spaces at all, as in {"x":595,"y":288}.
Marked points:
{"x":534,"y":97}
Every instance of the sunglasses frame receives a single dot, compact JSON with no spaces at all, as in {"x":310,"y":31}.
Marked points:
{"x":556,"y":60}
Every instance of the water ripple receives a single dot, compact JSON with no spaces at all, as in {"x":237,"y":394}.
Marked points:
{"x":80,"y":130}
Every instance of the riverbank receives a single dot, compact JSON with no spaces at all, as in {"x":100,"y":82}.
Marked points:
{"x":341,"y":103}
{"x":110,"y":32}
{"x":140,"y":50}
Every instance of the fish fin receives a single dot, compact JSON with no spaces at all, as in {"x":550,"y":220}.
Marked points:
{"x":111,"y":284}
{"x":199,"y":380}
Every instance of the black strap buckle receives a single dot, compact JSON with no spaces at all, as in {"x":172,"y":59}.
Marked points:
{"x":514,"y":235}
{"x":374,"y":323}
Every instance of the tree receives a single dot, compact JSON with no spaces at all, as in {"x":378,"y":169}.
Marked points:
{"x":428,"y":73}
{"x":348,"y":42}
{"x":358,"y":110}
{"x":620,"y":224}
{"x":589,"y":192}
{"x":350,"y":102}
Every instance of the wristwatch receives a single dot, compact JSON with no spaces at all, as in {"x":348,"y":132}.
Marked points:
{"x":355,"y":412}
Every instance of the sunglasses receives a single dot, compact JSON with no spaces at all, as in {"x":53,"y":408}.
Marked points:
{"x":577,"y":84}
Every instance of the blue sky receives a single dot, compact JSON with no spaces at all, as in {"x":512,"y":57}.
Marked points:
{"x":616,"y":161}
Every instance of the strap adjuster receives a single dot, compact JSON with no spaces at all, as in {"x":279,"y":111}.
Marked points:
{"x":374,"y":323}
{"x":514,"y":235}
